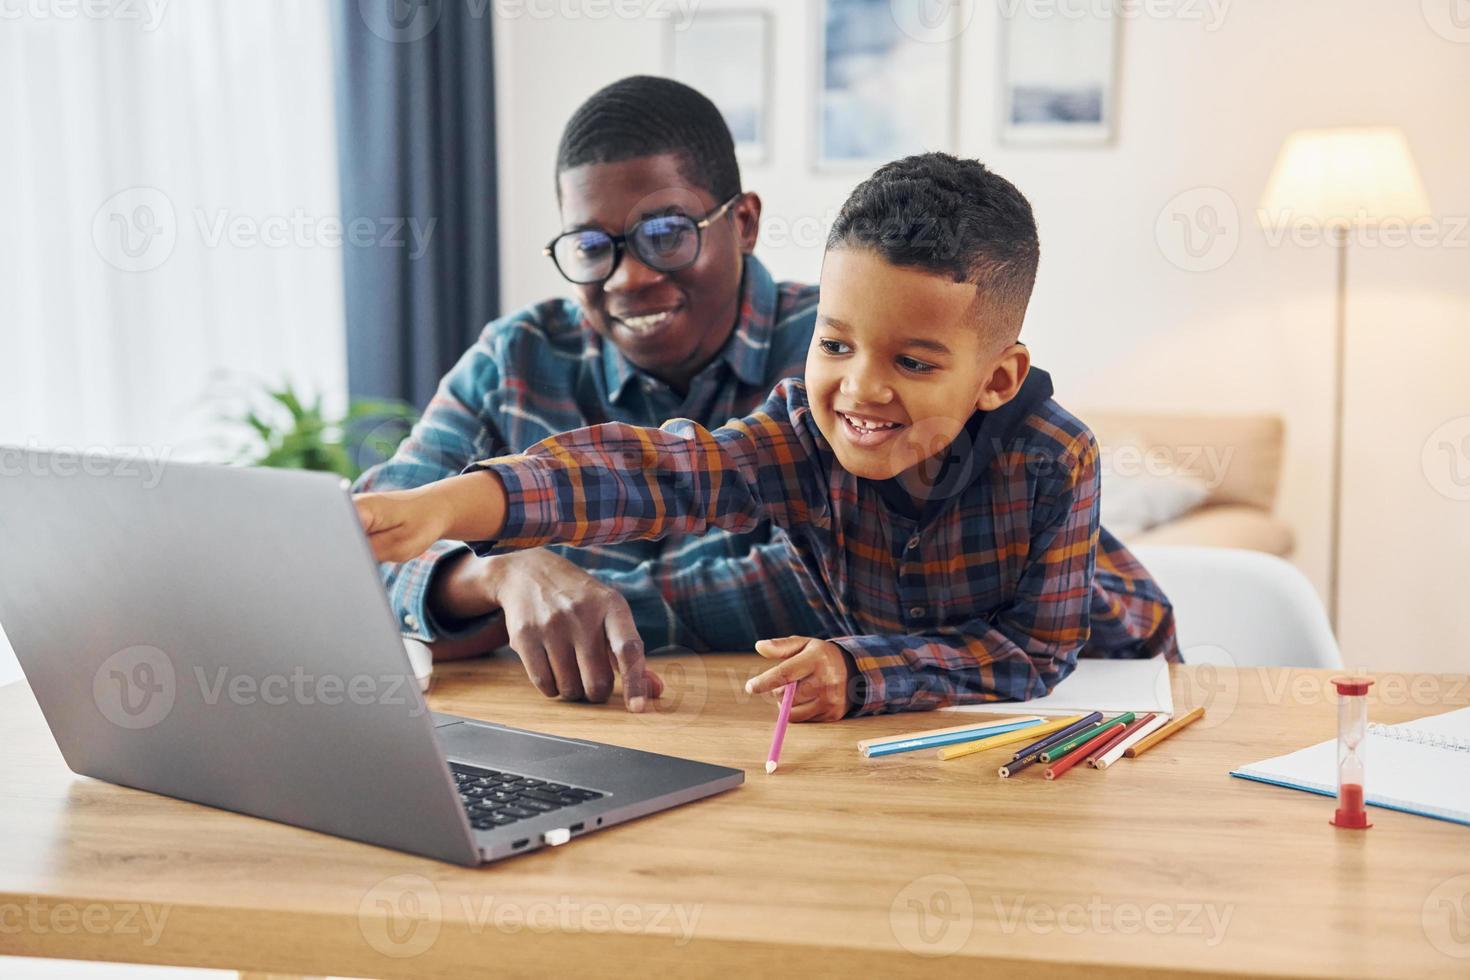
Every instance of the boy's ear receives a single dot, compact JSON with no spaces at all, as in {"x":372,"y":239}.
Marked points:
{"x":747,"y":213}
{"x":1006,"y":378}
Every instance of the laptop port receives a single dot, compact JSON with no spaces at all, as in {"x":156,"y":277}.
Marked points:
{"x":520,"y":843}
{"x":577,"y":828}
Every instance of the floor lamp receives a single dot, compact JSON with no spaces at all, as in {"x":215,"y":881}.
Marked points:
{"x":1335,"y":184}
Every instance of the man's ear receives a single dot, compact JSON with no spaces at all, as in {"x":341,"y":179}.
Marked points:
{"x":1006,"y":378}
{"x":747,"y":212}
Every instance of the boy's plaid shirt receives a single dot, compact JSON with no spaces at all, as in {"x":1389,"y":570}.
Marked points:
{"x":990,"y":594}
{"x":540,"y":371}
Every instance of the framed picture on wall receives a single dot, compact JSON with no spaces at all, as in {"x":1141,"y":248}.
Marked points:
{"x":885,"y":83}
{"x":726,"y":54}
{"x":1058,"y":75}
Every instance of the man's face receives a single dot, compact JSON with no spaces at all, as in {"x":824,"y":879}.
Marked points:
{"x":897,"y":364}
{"x":670,"y":324}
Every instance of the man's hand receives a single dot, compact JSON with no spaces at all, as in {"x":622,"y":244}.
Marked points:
{"x":572,"y":633}
{"x":401,"y":524}
{"x":820,"y":669}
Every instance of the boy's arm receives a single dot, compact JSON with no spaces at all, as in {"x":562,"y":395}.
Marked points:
{"x":1022,"y":651}
{"x":611,"y":483}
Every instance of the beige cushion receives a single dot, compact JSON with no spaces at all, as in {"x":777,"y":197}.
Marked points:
{"x":1222,"y":526}
{"x":1237,"y":456}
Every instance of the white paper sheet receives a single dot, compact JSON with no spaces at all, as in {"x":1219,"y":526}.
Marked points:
{"x":1109,"y":686}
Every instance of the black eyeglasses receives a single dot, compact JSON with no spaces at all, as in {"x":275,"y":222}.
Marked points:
{"x":666,"y":242}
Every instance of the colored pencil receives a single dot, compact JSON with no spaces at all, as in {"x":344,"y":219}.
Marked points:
{"x":1178,"y":723}
{"x":1055,"y":752}
{"x":1106,"y":747}
{"x":1005,"y":738}
{"x":1144,"y":731}
{"x":773,"y":758}
{"x":1016,"y":765}
{"x":1060,"y":766}
{"x":934,"y":741}
{"x":980,"y":728}
{"x":1035,"y":748}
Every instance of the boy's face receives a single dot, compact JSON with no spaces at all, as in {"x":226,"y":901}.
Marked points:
{"x":899,"y":362}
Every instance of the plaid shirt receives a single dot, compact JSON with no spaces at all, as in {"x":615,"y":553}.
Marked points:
{"x":542,"y":370}
{"x":989,"y":592}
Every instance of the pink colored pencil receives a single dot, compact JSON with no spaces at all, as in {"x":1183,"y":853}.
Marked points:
{"x":774,"y":758}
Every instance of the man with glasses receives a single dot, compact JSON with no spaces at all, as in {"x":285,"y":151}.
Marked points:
{"x":673,"y":317}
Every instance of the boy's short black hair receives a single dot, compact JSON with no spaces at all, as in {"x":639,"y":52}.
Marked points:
{"x":641,"y":116}
{"x":951,"y":217}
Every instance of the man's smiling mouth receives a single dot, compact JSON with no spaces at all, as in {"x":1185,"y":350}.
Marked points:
{"x":646,"y":322}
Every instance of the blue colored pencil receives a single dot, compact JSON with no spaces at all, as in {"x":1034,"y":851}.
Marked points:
{"x":935,"y":741}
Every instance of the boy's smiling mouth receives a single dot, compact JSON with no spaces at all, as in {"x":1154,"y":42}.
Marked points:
{"x":867,"y":431}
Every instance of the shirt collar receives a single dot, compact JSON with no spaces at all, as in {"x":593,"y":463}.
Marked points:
{"x":746,"y":351}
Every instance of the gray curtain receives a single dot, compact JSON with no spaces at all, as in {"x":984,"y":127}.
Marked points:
{"x":415,"y":95}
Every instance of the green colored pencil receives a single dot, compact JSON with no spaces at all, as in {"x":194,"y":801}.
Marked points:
{"x":1055,"y":752}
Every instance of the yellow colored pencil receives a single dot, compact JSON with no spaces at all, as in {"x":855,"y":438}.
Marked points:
{"x":1134,"y":751}
{"x":1006,"y":738}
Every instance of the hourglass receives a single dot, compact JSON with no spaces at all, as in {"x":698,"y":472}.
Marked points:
{"x":1352,"y":729}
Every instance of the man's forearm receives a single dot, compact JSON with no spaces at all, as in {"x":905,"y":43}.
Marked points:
{"x":459,"y":594}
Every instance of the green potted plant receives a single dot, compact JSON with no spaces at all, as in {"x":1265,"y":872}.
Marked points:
{"x":287,"y":431}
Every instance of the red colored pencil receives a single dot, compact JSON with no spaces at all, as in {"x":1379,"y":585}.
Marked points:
{"x":1056,"y":769}
{"x":1102,"y":750}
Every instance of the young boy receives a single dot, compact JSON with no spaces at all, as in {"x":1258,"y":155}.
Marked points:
{"x":947,"y":506}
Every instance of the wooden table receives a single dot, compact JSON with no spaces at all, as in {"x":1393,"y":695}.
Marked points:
{"x":836,"y":865}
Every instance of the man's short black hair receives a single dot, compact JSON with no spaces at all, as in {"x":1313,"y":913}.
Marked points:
{"x":641,"y":116}
{"x":951,"y":217}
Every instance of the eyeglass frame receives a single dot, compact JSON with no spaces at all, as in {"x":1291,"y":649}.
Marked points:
{"x":620,"y":243}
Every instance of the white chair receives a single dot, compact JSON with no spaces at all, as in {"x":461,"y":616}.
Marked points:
{"x":1238,"y":608}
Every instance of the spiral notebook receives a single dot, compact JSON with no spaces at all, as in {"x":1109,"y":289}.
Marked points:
{"x":1420,"y":767}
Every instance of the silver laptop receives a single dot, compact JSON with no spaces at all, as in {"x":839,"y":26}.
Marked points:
{"x":220,"y":635}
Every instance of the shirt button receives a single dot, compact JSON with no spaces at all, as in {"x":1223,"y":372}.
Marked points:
{"x":913,"y":542}
{"x":916,"y":611}
{"x":411,"y":621}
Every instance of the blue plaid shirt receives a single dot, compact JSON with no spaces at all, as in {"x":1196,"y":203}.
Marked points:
{"x":541,"y":371}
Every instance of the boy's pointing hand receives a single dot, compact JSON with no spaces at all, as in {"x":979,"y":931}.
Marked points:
{"x":820,"y":669}
{"x":400,"y":524}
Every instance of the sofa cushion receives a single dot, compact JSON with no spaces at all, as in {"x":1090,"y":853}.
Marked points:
{"x":1221,"y":526}
{"x":1135,"y":502}
{"x":1237,"y":456}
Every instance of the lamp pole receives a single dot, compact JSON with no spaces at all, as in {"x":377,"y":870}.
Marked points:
{"x":1334,"y":570}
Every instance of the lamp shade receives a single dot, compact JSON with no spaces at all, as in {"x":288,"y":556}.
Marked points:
{"x":1349,"y":176}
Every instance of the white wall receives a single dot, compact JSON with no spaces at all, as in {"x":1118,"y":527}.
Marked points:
{"x":1116,"y":323}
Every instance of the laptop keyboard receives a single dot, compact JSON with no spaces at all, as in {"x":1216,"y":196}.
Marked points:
{"x":497,"y":799}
